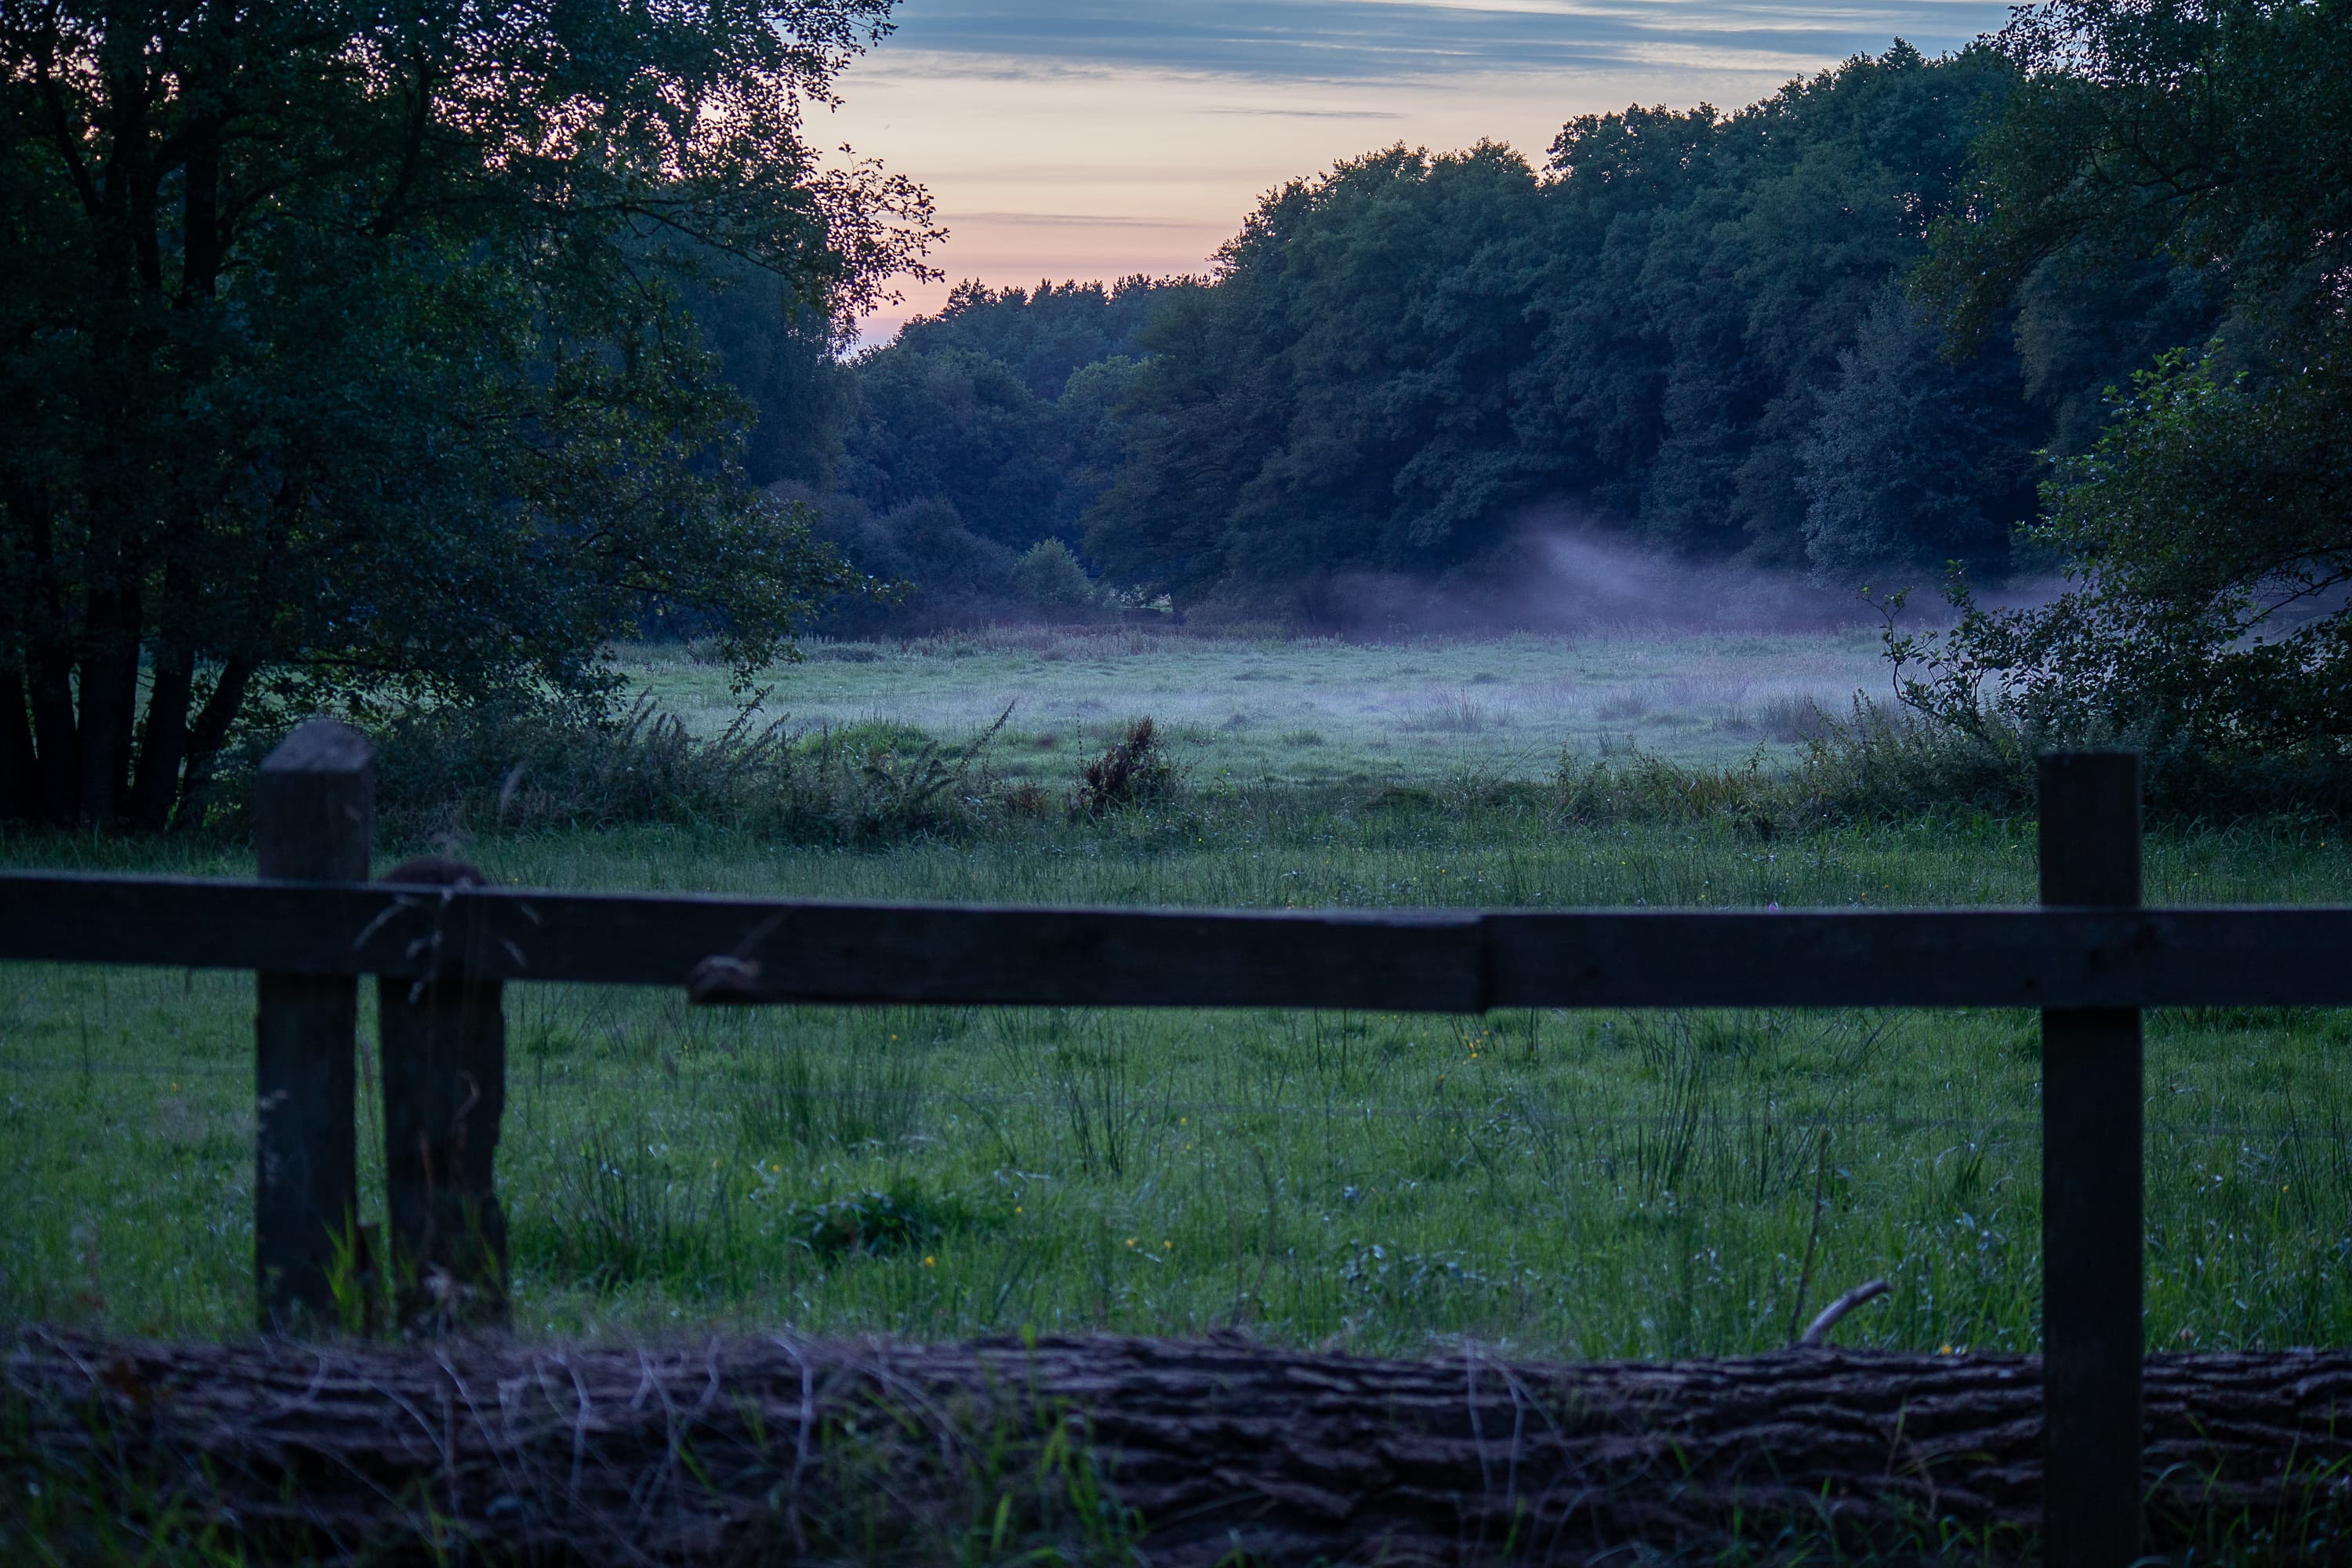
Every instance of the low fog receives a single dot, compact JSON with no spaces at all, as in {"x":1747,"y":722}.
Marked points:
{"x":1559,"y":574}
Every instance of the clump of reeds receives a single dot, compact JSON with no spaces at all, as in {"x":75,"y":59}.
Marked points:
{"x":1135,"y":770}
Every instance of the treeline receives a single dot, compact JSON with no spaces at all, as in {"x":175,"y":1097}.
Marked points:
{"x":958,"y":464}
{"x":1690,"y":329}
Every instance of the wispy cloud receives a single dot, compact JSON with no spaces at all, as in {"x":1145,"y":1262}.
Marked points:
{"x":1359,"y":39}
{"x":1257,"y":111}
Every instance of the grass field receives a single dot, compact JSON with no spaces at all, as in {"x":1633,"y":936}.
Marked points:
{"x":1564,"y":1185}
{"x":1313,"y":712}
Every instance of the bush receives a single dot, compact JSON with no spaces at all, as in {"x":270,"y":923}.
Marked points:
{"x":1049,"y":578}
{"x":1134,"y":771}
{"x":1879,"y":764}
{"x":453,"y":770}
{"x":1876,"y":765}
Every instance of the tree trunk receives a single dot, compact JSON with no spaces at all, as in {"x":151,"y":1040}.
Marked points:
{"x":785,"y":1450}
{"x":56,"y":745}
{"x":163,"y":738}
{"x":49,"y":678}
{"x":109,"y":699}
{"x":208,"y":734}
{"x":20,"y":782}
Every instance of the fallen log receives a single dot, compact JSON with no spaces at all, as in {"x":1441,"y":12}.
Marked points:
{"x":1184,"y":1452}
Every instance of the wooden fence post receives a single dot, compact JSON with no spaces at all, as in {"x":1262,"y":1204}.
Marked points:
{"x":314,"y":821}
{"x":444,"y":1051}
{"x":2092,"y":1188}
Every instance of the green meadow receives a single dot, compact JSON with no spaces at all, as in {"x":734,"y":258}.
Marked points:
{"x":1324,"y":711}
{"x":1562,"y":1185}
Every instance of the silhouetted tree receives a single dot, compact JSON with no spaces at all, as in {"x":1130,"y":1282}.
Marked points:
{"x":343,"y":358}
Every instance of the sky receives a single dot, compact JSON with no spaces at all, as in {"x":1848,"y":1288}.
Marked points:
{"x":1084,"y":139}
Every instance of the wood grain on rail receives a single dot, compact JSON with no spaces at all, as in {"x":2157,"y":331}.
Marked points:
{"x":1435,"y":961}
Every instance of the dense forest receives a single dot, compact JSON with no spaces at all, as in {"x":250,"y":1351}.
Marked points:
{"x":1689,"y":329}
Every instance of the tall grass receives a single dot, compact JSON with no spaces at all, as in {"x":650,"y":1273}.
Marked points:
{"x":1566,"y":1184}
{"x":1879,"y":763}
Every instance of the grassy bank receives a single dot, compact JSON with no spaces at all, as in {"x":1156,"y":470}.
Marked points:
{"x":1567,"y":1184}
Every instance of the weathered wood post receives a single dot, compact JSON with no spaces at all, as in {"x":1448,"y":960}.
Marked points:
{"x":2092,"y":1185}
{"x":444,"y":1050}
{"x":314,"y":821}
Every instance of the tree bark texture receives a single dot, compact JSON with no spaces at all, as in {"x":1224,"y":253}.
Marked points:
{"x":785,"y":1450}
{"x":163,"y":738}
{"x":20,"y":788}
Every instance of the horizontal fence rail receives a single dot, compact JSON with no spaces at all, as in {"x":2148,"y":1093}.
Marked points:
{"x":1372,"y":960}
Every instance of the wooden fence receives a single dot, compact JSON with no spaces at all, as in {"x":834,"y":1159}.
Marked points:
{"x":2091,"y":957}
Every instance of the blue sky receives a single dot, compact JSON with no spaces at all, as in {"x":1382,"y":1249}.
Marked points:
{"x":1094,"y":138}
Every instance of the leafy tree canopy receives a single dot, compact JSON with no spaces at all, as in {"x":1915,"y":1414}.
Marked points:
{"x":343,"y":358}
{"x":1044,"y":335}
{"x":1000,"y":418}
{"x":1687,"y":326}
{"x":2204,"y":533}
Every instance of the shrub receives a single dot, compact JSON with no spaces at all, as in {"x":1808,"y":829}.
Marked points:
{"x":451,"y":770}
{"x":1135,"y":770}
{"x":1049,"y":578}
{"x":1879,"y":764}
